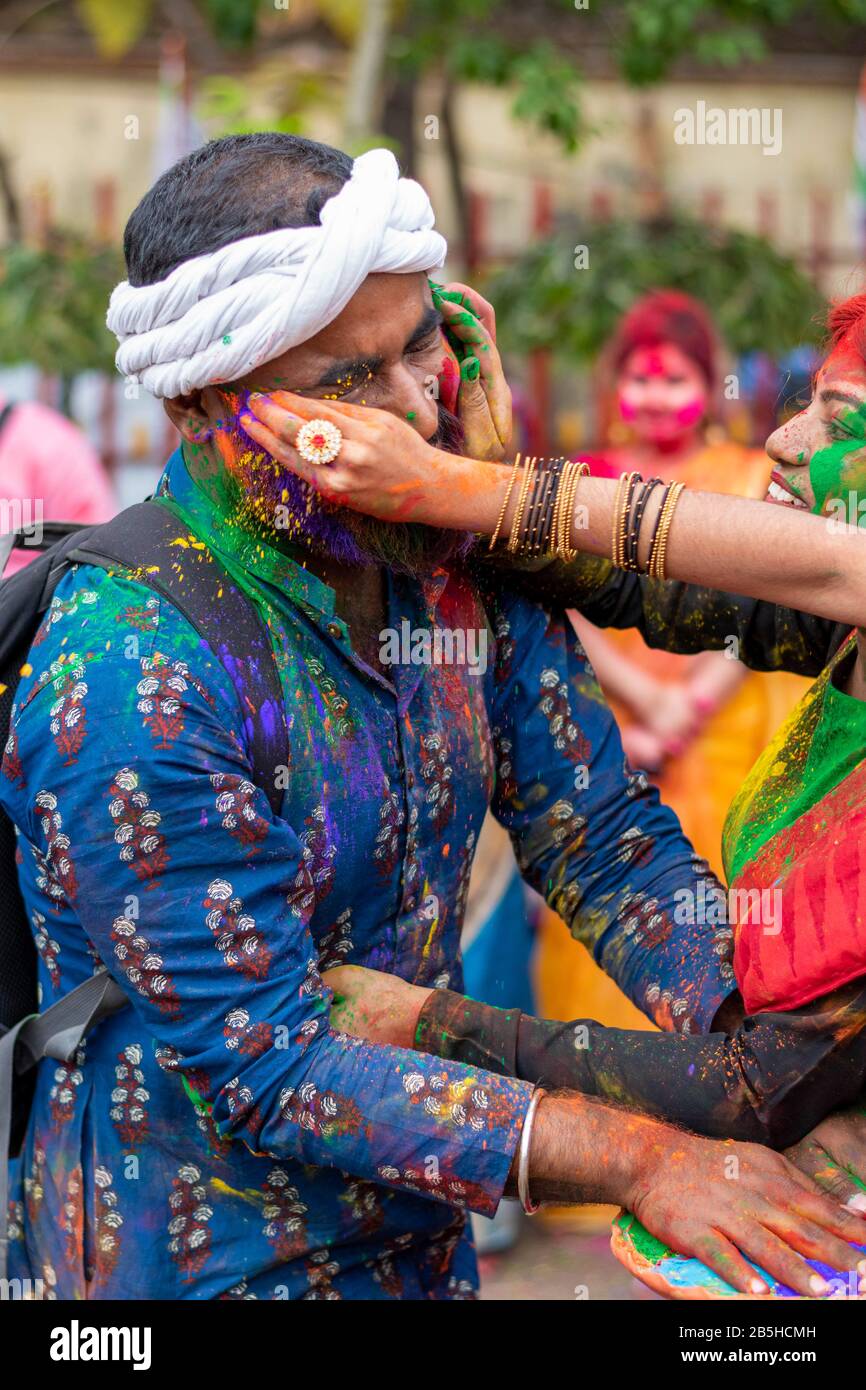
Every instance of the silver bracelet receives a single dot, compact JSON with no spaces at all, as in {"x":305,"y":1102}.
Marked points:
{"x":526,"y":1201}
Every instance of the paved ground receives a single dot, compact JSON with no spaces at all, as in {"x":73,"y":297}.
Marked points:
{"x":560,"y":1259}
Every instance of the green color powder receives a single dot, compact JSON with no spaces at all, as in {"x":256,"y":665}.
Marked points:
{"x":832,"y":470}
{"x":645,"y":1244}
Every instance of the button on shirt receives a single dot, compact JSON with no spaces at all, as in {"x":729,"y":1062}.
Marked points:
{"x":219,"y":1138}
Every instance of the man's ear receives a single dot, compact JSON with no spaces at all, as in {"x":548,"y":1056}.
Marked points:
{"x":189,"y":417}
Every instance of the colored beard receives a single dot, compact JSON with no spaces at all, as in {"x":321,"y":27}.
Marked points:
{"x":270,"y":500}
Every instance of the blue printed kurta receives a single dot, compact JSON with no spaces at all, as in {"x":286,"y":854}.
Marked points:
{"x":218,"y":1138}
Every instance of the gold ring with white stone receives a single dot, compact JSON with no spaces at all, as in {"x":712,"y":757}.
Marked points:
{"x":318,"y":441}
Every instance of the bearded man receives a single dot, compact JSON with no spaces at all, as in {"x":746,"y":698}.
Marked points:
{"x":218,"y":1138}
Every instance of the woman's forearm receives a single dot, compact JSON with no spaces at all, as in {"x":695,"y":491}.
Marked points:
{"x":771,"y":1081}
{"x":734,"y":544}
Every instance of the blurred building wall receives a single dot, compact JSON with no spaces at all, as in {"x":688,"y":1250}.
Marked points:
{"x":66,"y":134}
{"x":800,"y":197}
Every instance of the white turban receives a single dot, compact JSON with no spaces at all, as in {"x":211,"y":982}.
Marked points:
{"x":218,"y":316}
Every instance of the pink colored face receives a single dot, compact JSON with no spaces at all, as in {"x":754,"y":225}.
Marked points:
{"x":662,"y":394}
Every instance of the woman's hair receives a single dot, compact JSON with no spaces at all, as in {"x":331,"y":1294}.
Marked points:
{"x":668,"y":316}
{"x":846,"y":321}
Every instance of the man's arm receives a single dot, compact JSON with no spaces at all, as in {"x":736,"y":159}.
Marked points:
{"x":591,"y":835}
{"x":584,"y":1149}
{"x":679,"y":1186}
{"x":676,"y":617}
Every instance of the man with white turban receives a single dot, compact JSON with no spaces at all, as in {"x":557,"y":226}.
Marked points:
{"x":273,"y":1156}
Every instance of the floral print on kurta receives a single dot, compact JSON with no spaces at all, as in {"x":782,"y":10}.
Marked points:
{"x":218,"y":1138}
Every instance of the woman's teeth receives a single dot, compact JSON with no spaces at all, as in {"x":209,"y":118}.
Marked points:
{"x":781,"y":494}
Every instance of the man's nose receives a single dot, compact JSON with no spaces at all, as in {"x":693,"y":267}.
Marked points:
{"x":414,"y":397}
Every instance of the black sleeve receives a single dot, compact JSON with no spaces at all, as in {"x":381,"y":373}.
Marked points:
{"x":769,"y":1082}
{"x":684,"y":618}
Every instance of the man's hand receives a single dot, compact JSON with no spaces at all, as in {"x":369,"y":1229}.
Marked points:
{"x":834,"y":1156}
{"x":370,"y":1004}
{"x":483,"y":397}
{"x":722,"y":1201}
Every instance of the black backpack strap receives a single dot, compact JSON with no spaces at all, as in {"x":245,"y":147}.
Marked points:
{"x":153,"y":542}
{"x":55,"y":1033}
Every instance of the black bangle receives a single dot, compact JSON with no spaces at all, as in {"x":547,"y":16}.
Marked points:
{"x":655,"y":531}
{"x":546,"y":526}
{"x":536,"y":510}
{"x":631,"y":555}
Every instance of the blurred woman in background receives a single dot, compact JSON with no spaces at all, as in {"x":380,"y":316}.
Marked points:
{"x":696,"y":723}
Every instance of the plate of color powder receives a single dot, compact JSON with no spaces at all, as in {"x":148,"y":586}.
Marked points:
{"x":681,"y":1276}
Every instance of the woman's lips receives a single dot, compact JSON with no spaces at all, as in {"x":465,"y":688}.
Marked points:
{"x":779,"y":491}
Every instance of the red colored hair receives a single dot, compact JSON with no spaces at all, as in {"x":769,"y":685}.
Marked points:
{"x":668,"y":316}
{"x":846,"y":322}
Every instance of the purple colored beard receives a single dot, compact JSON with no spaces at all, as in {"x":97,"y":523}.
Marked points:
{"x":266,"y":490}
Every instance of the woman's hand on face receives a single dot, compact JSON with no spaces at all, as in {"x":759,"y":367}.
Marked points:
{"x":384,"y":467}
{"x":834,"y":1154}
{"x":483,"y":397}
{"x":370,"y":1004}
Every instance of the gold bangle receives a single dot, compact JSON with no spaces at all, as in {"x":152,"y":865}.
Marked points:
{"x":578,"y":470}
{"x":616,"y":522}
{"x":558,"y":507}
{"x":517,"y":520}
{"x":656,"y":566}
{"x":508,"y":491}
{"x":621,"y":508}
{"x":664,"y":530}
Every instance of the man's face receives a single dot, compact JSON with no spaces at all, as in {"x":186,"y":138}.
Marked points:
{"x":820,"y":454}
{"x":386,"y":349}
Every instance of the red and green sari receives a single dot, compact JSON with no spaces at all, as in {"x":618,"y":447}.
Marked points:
{"x":798,"y":826}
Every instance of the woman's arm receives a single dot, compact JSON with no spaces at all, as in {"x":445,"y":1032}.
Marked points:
{"x":771,"y":1081}
{"x":675,"y":617}
{"x":734,"y":544}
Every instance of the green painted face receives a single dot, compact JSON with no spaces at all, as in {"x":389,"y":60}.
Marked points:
{"x":839,"y":469}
